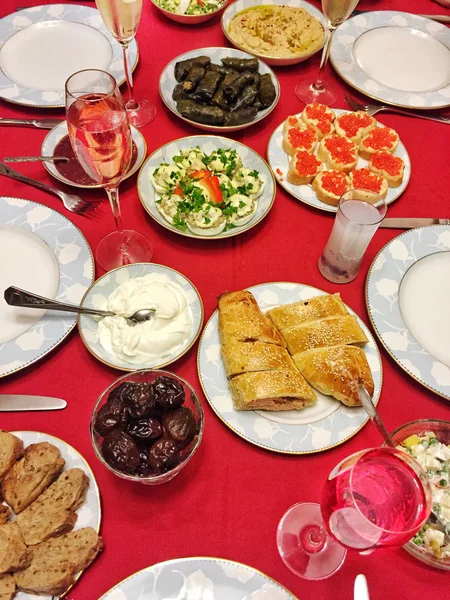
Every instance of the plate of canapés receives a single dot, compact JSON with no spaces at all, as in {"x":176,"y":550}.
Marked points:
{"x":192,"y":12}
{"x":320,"y":153}
{"x":219,"y":89}
{"x":280,"y":32}
{"x":281,"y":363}
{"x":206,"y":187}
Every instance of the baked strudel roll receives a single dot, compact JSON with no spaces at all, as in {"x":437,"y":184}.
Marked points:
{"x":328,"y":305}
{"x":245,"y":357}
{"x":337,"y":371}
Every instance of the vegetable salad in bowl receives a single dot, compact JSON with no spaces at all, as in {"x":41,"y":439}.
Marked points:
{"x":195,"y":7}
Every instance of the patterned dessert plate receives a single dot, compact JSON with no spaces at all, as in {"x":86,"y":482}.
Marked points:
{"x":314,"y":429}
{"x":407,"y":292}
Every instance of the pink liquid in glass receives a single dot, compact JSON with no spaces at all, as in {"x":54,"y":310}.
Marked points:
{"x":379,"y":501}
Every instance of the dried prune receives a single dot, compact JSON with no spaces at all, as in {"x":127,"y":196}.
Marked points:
{"x":120,"y":451}
{"x":108,"y":419}
{"x":119,"y":390}
{"x":163,"y":455}
{"x":139,"y":400}
{"x":180,"y":425}
{"x":144,"y":429}
{"x":168,"y":393}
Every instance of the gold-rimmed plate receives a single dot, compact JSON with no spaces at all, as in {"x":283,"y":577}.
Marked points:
{"x":98,"y":294}
{"x":314,"y":429}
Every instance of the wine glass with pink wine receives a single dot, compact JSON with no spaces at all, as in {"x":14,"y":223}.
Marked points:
{"x":335,"y":12}
{"x":372,"y":499}
{"x":122,"y":17}
{"x":101,"y":139}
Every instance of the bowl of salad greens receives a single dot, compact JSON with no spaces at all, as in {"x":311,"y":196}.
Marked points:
{"x":428,"y":441}
{"x":190,"y":12}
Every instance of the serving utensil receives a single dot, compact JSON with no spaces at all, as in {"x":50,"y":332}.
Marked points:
{"x":17,"y":297}
{"x":39,"y":123}
{"x":183,"y":6}
{"x":71,"y":201}
{"x":361,"y":590}
{"x":438,"y":18}
{"x":373,"y":109}
{"x":16,"y":402}
{"x":19,"y":159}
{"x":411,"y":222}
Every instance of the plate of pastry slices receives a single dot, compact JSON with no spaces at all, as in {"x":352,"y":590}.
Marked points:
{"x":52,"y":504}
{"x":271,"y":361}
{"x":320,"y":153}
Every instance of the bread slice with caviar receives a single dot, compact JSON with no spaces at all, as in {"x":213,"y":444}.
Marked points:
{"x":53,"y":513}
{"x":303,"y":167}
{"x":330,"y":186}
{"x":354,"y":125}
{"x":363,"y":179}
{"x":300,"y":137}
{"x":7,"y":587}
{"x":379,"y":138}
{"x":31,"y":475}
{"x":320,"y":117}
{"x":11,"y":450}
{"x":389,"y":166}
{"x":338,"y":153}
{"x":14,"y":555}
{"x":55,"y":563}
{"x":293,"y":121}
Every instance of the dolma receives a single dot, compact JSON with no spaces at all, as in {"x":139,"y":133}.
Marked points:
{"x":233,"y":90}
{"x":242,"y":115}
{"x":210,"y":115}
{"x":183,"y":67}
{"x":247,"y":97}
{"x":219,"y":69}
{"x":179,"y":93}
{"x":241,"y":64}
{"x":208,"y":85}
{"x":195,"y":75}
{"x":267,"y":91}
{"x":219,"y":99}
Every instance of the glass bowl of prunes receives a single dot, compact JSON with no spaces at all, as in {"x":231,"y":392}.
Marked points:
{"x":147,"y":425}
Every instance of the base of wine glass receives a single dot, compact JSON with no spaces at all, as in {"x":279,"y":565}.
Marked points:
{"x":307,"y":93}
{"x":304,"y":545}
{"x":140,"y":112}
{"x":124,"y":248}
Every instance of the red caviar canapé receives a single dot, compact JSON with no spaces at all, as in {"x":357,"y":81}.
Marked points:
{"x":324,"y":126}
{"x":380,"y":138}
{"x":335,"y":182}
{"x":385,"y":161}
{"x":351,"y":123}
{"x":293,"y":121}
{"x":342,"y":150}
{"x":318,"y":111}
{"x":305,"y":138}
{"x":366,"y":180}
{"x":306,"y":163}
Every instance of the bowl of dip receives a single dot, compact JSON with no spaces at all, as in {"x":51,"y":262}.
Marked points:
{"x":428,"y":441}
{"x":195,"y":11}
{"x":146,"y":426}
{"x":153,"y":344}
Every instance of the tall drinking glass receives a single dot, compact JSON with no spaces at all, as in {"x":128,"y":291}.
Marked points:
{"x":101,"y":139}
{"x":122,"y":17}
{"x":335,"y":12}
{"x":358,"y":216}
{"x":372,"y":499}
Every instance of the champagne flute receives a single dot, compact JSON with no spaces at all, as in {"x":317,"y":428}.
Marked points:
{"x":101,"y":140}
{"x":122,"y":17}
{"x":335,"y":12}
{"x":372,"y":499}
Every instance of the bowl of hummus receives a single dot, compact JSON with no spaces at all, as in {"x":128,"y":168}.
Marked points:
{"x":281,"y":32}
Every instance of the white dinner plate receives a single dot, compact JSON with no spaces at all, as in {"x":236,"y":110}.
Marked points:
{"x":279,"y":162}
{"x":55,"y":135}
{"x":98,"y":294}
{"x":42,"y":252}
{"x":41,"y":46}
{"x":90,"y":512}
{"x":199,"y":578}
{"x":206,"y":143}
{"x":407,"y":297}
{"x":314,"y":429}
{"x":395,"y":57}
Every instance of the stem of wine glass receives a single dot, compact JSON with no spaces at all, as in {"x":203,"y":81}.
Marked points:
{"x":113,"y":196}
{"x":318,"y":84}
{"x":131,"y":104}
{"x":313,"y":538}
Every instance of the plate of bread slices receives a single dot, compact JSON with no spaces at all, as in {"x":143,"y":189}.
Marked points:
{"x":50,"y":516}
{"x":280,"y":364}
{"x":320,"y":153}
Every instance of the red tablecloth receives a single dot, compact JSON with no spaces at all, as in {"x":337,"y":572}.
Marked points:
{"x":228,"y":501}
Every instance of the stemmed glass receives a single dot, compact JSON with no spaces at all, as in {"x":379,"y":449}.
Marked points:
{"x":122,"y":17}
{"x":101,"y":140}
{"x":372,"y":499}
{"x":335,"y":12}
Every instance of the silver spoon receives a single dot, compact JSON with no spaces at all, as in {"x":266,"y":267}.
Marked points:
{"x":16,"y":297}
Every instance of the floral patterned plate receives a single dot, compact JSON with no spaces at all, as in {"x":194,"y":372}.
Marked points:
{"x":384,"y":279}
{"x":201,"y":578}
{"x":314,"y":429}
{"x":64,"y":243}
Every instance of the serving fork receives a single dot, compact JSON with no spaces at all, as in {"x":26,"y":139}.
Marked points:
{"x":373,"y":109}
{"x":47,"y":123}
{"x":72,"y":202}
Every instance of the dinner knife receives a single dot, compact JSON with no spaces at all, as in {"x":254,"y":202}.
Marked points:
{"x":39,"y":123}
{"x":15,"y":402}
{"x":411,"y":223}
{"x":439,"y":18}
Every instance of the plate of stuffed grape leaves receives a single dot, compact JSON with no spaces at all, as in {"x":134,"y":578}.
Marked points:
{"x":219,"y":89}
{"x":206,"y":187}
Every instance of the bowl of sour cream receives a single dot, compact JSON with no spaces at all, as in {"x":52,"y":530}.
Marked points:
{"x":152,"y":344}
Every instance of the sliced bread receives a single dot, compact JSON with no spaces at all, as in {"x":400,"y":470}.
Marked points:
{"x":338,"y":153}
{"x":379,"y":138}
{"x":303,"y":167}
{"x":31,"y":475}
{"x":320,"y":117}
{"x":354,"y":125}
{"x":55,"y":563}
{"x":364,"y":179}
{"x":7,"y":587}
{"x":11,"y":449}
{"x":300,"y":137}
{"x":387,"y":165}
{"x":330,"y":186}
{"x":14,"y":555}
